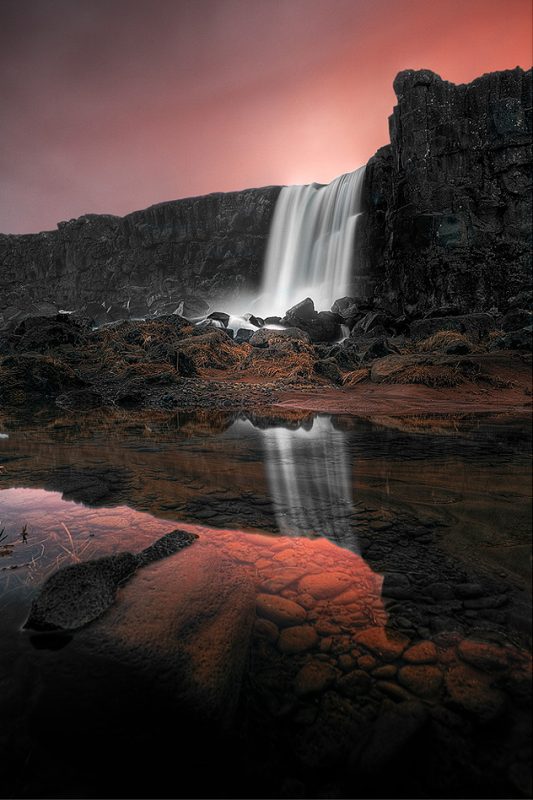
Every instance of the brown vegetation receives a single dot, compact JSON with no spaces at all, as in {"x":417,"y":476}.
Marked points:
{"x":355,"y":376}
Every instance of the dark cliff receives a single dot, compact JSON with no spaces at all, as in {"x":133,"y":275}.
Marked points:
{"x":448,"y":202}
{"x":447,"y":218}
{"x":211,"y":245}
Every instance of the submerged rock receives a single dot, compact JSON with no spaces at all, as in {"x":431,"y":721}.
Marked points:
{"x":79,"y":594}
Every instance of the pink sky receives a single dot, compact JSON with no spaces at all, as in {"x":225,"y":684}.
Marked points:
{"x":112,"y":105}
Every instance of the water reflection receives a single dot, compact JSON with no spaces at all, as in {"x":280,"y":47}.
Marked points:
{"x":309,"y":476}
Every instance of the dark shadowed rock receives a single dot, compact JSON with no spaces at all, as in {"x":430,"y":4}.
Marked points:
{"x":221,"y":316}
{"x":243,"y":335}
{"x":266,"y":336}
{"x":516,"y":319}
{"x":476,"y":325}
{"x":328,"y":368}
{"x":80,"y":593}
{"x":447,"y":206}
{"x":304,"y":310}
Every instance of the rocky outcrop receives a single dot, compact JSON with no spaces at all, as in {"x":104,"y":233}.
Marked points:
{"x":446,"y":221}
{"x":211,"y":245}
{"x":448,"y":202}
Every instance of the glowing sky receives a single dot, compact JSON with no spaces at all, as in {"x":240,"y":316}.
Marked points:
{"x":112,"y":105}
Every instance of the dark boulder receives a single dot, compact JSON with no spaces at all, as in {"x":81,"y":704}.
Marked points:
{"x":80,"y":593}
{"x":221,"y":316}
{"x":323,"y":326}
{"x":328,"y":368}
{"x":243,"y":335}
{"x":515,"y":340}
{"x":304,"y":310}
{"x":266,"y":336}
{"x":272,"y":321}
{"x":516,"y":319}
{"x":477,"y":325}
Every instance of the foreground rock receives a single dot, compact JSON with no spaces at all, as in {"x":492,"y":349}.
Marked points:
{"x":80,"y":593}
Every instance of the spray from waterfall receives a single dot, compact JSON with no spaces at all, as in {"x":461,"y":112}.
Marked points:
{"x":310,"y":250}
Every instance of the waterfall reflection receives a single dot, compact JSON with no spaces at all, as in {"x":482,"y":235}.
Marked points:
{"x":309,"y":476}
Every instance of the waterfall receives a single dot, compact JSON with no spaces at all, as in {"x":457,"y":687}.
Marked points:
{"x":310,"y":480}
{"x":310,"y":251}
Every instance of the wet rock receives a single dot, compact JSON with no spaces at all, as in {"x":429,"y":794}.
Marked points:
{"x":386,"y":645}
{"x":384,"y":673}
{"x":354,"y":683}
{"x":297,"y":639}
{"x":421,"y":653}
{"x":323,"y":326}
{"x":393,"y":731}
{"x":279,"y":610}
{"x":184,"y":625}
{"x":221,"y":316}
{"x":422,"y":680}
{"x":266,"y":629}
{"x":325,"y":585}
{"x":483,"y":655}
{"x":80,"y":593}
{"x":393,"y":691}
{"x":272,"y":321}
{"x":471,"y":691}
{"x":516,"y":319}
{"x":243,"y":335}
{"x":314,"y":677}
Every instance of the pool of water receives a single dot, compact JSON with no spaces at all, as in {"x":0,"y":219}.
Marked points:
{"x":353,"y":621}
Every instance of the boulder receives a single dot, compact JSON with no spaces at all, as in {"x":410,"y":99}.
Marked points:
{"x":323,"y":326}
{"x":243,"y":335}
{"x":304,"y":310}
{"x":80,"y":593}
{"x":266,"y":336}
{"x":475,"y":325}
{"x":516,"y":319}
{"x":328,"y":368}
{"x":221,"y":316}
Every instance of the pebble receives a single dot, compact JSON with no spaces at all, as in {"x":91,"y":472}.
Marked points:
{"x":423,"y":680}
{"x":326,"y":584}
{"x":280,"y":610}
{"x":485,"y":656}
{"x":421,"y":653}
{"x":315,"y":676}
{"x":387,"y":646}
{"x":266,"y":629}
{"x":471,"y":691}
{"x":297,"y":639}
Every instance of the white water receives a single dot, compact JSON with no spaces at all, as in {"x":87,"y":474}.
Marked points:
{"x":310,"y":480}
{"x":310,"y":251}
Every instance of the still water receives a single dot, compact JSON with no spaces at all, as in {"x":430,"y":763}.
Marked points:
{"x":361,"y":587}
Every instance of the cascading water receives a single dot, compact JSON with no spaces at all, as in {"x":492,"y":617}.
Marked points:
{"x":310,"y":250}
{"x":310,"y":480}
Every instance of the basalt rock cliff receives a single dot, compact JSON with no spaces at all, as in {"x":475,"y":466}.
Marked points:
{"x":208,"y":246}
{"x":447,"y":220}
{"x":448,"y":202}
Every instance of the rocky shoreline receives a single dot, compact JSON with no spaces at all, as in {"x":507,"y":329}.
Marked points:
{"x":171,"y":362}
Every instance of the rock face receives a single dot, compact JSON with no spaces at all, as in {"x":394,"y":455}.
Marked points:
{"x":448,"y":202}
{"x":213,"y":245}
{"x":447,"y":221}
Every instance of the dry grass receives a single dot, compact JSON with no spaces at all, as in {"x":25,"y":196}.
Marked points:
{"x":118,"y":347}
{"x":355,"y":376}
{"x":432,"y":376}
{"x":214,"y":350}
{"x":442,"y":339}
{"x":289,"y":366}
